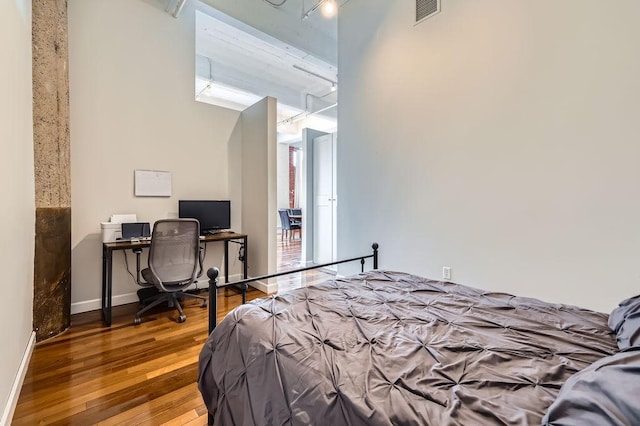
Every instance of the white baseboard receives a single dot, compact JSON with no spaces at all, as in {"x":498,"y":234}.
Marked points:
{"x":259,"y":285}
{"x":123,"y":299}
{"x":9,"y":409}
{"x":232,"y":278}
{"x":96,"y":304}
{"x":268,"y":288}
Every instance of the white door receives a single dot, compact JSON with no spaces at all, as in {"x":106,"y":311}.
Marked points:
{"x":324,"y":200}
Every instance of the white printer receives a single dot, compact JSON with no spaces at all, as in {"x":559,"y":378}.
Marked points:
{"x":112,"y":230}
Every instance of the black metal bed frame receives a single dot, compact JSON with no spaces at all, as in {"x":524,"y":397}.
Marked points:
{"x":213,"y":274}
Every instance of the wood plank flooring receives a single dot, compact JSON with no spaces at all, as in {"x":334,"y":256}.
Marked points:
{"x":127,"y":374}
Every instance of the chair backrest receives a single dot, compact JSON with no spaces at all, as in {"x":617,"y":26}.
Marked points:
{"x":174,"y":251}
{"x":284,"y":219}
{"x":297,"y":212}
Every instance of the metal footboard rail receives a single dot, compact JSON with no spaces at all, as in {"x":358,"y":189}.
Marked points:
{"x":214,"y":273}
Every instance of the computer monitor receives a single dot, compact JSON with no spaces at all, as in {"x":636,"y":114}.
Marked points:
{"x":213,"y":215}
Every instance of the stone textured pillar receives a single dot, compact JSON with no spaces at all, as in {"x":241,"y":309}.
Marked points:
{"x":52,"y":265}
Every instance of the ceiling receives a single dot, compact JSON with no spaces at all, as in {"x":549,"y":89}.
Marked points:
{"x":237,"y":65}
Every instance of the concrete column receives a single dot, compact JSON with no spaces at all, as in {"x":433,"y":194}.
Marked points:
{"x":52,"y":265}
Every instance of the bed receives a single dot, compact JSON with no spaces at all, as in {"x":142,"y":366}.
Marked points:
{"x":390,"y":348}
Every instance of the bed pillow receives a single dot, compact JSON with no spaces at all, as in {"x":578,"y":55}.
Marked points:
{"x":605,"y":393}
{"x":625,"y":322}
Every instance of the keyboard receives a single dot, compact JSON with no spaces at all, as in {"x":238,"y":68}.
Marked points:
{"x":132,"y":239}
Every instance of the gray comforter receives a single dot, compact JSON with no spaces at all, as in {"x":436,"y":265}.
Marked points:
{"x":388,"y":348}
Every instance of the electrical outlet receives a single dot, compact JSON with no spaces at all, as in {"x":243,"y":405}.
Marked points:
{"x":446,"y":273}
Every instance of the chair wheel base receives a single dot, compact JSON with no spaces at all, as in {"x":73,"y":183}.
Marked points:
{"x":182,"y":318}
{"x":137,"y":321}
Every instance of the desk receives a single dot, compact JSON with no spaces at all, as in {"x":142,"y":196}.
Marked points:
{"x":107,"y":263}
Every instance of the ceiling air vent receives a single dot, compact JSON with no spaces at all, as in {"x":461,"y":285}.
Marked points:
{"x":426,"y":8}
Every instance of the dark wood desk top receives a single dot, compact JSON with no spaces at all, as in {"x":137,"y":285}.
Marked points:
{"x":221,"y":236}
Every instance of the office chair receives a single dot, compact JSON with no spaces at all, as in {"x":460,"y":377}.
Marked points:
{"x":175,"y":262}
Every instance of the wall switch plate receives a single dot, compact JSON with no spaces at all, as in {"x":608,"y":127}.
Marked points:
{"x":446,"y":273}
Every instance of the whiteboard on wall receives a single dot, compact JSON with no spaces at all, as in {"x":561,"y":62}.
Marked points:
{"x":152,"y":183}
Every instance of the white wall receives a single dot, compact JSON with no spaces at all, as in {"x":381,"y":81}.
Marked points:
{"x":259,"y":189}
{"x":131,"y":70}
{"x":499,"y":138}
{"x":17,"y":217}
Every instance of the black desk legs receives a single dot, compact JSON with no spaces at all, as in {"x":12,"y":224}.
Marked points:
{"x":107,"y":258}
{"x":245,"y":263}
{"x":244,"y":270}
{"x":226,"y":261}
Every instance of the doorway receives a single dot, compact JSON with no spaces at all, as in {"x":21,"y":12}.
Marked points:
{"x":288,"y":198}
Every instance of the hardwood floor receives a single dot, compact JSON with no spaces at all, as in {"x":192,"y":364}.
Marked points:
{"x":289,"y":258}
{"x":127,"y":374}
